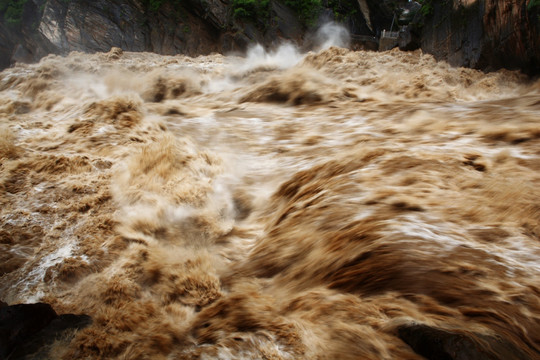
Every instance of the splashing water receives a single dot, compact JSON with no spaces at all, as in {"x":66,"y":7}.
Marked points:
{"x":324,"y":205}
{"x":331,"y":34}
{"x":284,"y":57}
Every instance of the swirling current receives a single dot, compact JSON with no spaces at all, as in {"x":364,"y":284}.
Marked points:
{"x":330,"y":205}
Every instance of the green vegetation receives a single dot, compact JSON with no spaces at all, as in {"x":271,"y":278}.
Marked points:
{"x":307,"y":10}
{"x":12,"y":10}
{"x":343,"y":8}
{"x":153,"y":5}
{"x":251,"y":9}
{"x":534,"y":6}
{"x":427,"y":7}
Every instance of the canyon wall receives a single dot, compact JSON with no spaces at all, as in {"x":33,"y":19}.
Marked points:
{"x":482,"y":34}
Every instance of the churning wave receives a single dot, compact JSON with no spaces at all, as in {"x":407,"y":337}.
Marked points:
{"x":334,"y":204}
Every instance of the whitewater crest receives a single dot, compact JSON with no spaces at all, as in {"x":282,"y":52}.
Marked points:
{"x":334,"y":204}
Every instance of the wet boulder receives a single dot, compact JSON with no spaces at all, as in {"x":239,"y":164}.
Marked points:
{"x":408,"y":39}
{"x":19,"y":322}
{"x":60,"y":330}
{"x":29,"y":329}
{"x":439,"y":344}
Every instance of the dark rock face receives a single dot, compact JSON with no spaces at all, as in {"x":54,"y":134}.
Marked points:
{"x":59,"y":330}
{"x":484,"y":34}
{"x":29,"y":329}
{"x":19,"y":322}
{"x":215,"y":11}
{"x":196,"y":27}
{"x":408,"y":39}
{"x":100,"y":25}
{"x":512,"y":35}
{"x":58,"y":27}
{"x":286,"y":25}
{"x":22,"y":42}
{"x":438,"y":344}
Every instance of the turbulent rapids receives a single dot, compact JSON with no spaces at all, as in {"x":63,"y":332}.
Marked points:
{"x":328,"y":205}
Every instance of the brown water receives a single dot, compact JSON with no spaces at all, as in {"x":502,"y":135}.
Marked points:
{"x":277,"y":206}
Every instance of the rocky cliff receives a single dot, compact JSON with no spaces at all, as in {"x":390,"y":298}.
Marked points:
{"x":59,"y":26}
{"x":484,"y":34}
{"x":191,"y":27}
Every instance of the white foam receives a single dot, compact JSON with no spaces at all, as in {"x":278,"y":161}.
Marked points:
{"x":284,"y":57}
{"x":37,"y":274}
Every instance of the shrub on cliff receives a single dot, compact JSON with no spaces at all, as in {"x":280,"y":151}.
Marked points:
{"x":251,"y":9}
{"x":153,"y":5}
{"x":427,"y":7}
{"x":534,"y":7}
{"x":307,"y":10}
{"x":343,"y":8}
{"x":12,"y":10}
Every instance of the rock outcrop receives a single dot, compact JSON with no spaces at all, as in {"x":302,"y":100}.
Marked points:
{"x":484,"y":34}
{"x":29,"y":330}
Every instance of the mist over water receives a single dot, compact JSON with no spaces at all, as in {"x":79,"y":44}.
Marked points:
{"x":331,"y":34}
{"x":278,"y":205}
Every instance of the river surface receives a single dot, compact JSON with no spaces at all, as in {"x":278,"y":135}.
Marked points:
{"x":274,"y":206}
